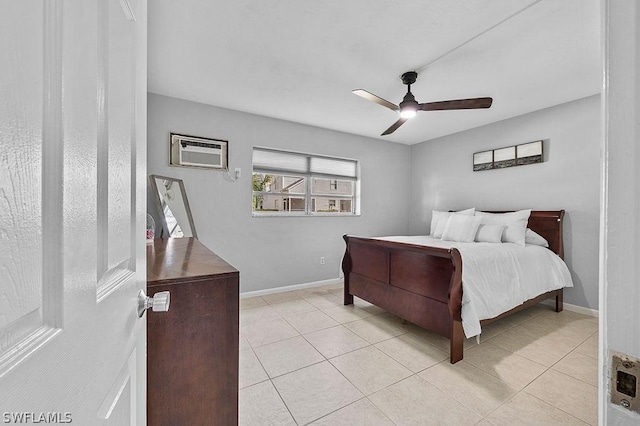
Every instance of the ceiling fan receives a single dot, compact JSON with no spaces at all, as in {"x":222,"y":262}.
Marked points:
{"x":409,"y":107}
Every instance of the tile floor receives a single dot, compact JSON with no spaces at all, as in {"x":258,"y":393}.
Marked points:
{"x":307,"y":359}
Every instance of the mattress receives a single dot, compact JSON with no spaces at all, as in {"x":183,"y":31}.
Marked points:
{"x":499,"y":277}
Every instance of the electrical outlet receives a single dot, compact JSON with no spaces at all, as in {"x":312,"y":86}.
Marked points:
{"x":322,"y":260}
{"x":238,"y":172}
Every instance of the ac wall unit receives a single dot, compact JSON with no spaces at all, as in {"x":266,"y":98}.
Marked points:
{"x":198,"y":152}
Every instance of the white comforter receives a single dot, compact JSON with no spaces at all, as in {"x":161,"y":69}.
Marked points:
{"x":499,"y":277}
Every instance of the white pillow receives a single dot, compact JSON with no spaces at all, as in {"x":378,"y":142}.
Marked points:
{"x":532,"y":237}
{"x":515,"y":223}
{"x":439,"y":220}
{"x":438,"y":217}
{"x":461,"y":228}
{"x":490,"y":233}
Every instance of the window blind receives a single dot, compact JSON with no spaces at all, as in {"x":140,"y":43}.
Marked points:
{"x":268,"y":160}
{"x":333,"y":166}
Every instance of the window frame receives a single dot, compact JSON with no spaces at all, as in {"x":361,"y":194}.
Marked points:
{"x":309,"y":175}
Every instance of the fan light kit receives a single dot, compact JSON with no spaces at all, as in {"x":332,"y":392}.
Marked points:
{"x":409,"y":106}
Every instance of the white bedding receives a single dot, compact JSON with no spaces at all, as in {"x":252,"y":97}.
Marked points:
{"x":499,"y":277}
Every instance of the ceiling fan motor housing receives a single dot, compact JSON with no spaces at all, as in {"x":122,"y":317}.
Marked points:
{"x":409,"y":101}
{"x":409,"y":105}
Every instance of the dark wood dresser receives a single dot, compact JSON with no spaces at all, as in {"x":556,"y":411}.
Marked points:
{"x":192,"y":350}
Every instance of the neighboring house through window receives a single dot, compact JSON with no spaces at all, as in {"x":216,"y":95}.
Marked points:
{"x":291,"y":183}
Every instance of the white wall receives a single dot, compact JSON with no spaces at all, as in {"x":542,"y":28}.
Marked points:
{"x":620,"y":292}
{"x":568,"y":179}
{"x":275,"y":251}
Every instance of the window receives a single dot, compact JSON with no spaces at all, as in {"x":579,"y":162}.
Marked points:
{"x":290,"y":183}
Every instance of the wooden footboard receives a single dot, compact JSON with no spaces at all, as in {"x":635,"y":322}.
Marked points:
{"x":420,"y":284}
{"x":424,"y":284}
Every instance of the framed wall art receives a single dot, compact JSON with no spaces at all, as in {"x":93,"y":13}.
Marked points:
{"x":516,"y":155}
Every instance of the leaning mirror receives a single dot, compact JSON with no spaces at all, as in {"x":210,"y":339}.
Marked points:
{"x":173,"y":206}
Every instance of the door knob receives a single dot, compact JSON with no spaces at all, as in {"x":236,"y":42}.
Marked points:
{"x":158,"y":303}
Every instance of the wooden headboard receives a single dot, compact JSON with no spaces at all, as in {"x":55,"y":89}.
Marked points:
{"x":548,"y":223}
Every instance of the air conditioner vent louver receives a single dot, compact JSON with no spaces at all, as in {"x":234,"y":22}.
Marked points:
{"x":199,"y":158}
{"x":185,"y":144}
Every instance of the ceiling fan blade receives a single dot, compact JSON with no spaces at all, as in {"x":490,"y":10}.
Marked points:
{"x":377,"y":99}
{"x":394,"y":127}
{"x":474,"y":103}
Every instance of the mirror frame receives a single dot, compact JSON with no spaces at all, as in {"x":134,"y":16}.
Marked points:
{"x":163,"y":219}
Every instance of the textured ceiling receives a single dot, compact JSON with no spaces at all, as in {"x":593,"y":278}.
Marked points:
{"x":298,"y":60}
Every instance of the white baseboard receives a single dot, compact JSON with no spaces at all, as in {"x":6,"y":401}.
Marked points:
{"x":244,"y":295}
{"x":267,"y":291}
{"x":573,"y":308}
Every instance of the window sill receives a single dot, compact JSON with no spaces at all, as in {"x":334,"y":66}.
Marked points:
{"x":254,"y":214}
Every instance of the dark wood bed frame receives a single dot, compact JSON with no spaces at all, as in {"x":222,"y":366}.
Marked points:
{"x":423,"y":284}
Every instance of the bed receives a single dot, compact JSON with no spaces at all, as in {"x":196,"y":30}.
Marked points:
{"x":424,"y":284}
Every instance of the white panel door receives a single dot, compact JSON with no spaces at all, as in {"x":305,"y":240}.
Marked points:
{"x":72,"y":200}
{"x":620,"y":207}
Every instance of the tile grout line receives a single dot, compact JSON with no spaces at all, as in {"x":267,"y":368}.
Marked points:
{"x":421,"y":338}
{"x":557,"y":408}
{"x":460,"y":402}
{"x":364,"y":395}
{"x":283,"y":401}
{"x":537,"y":377}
